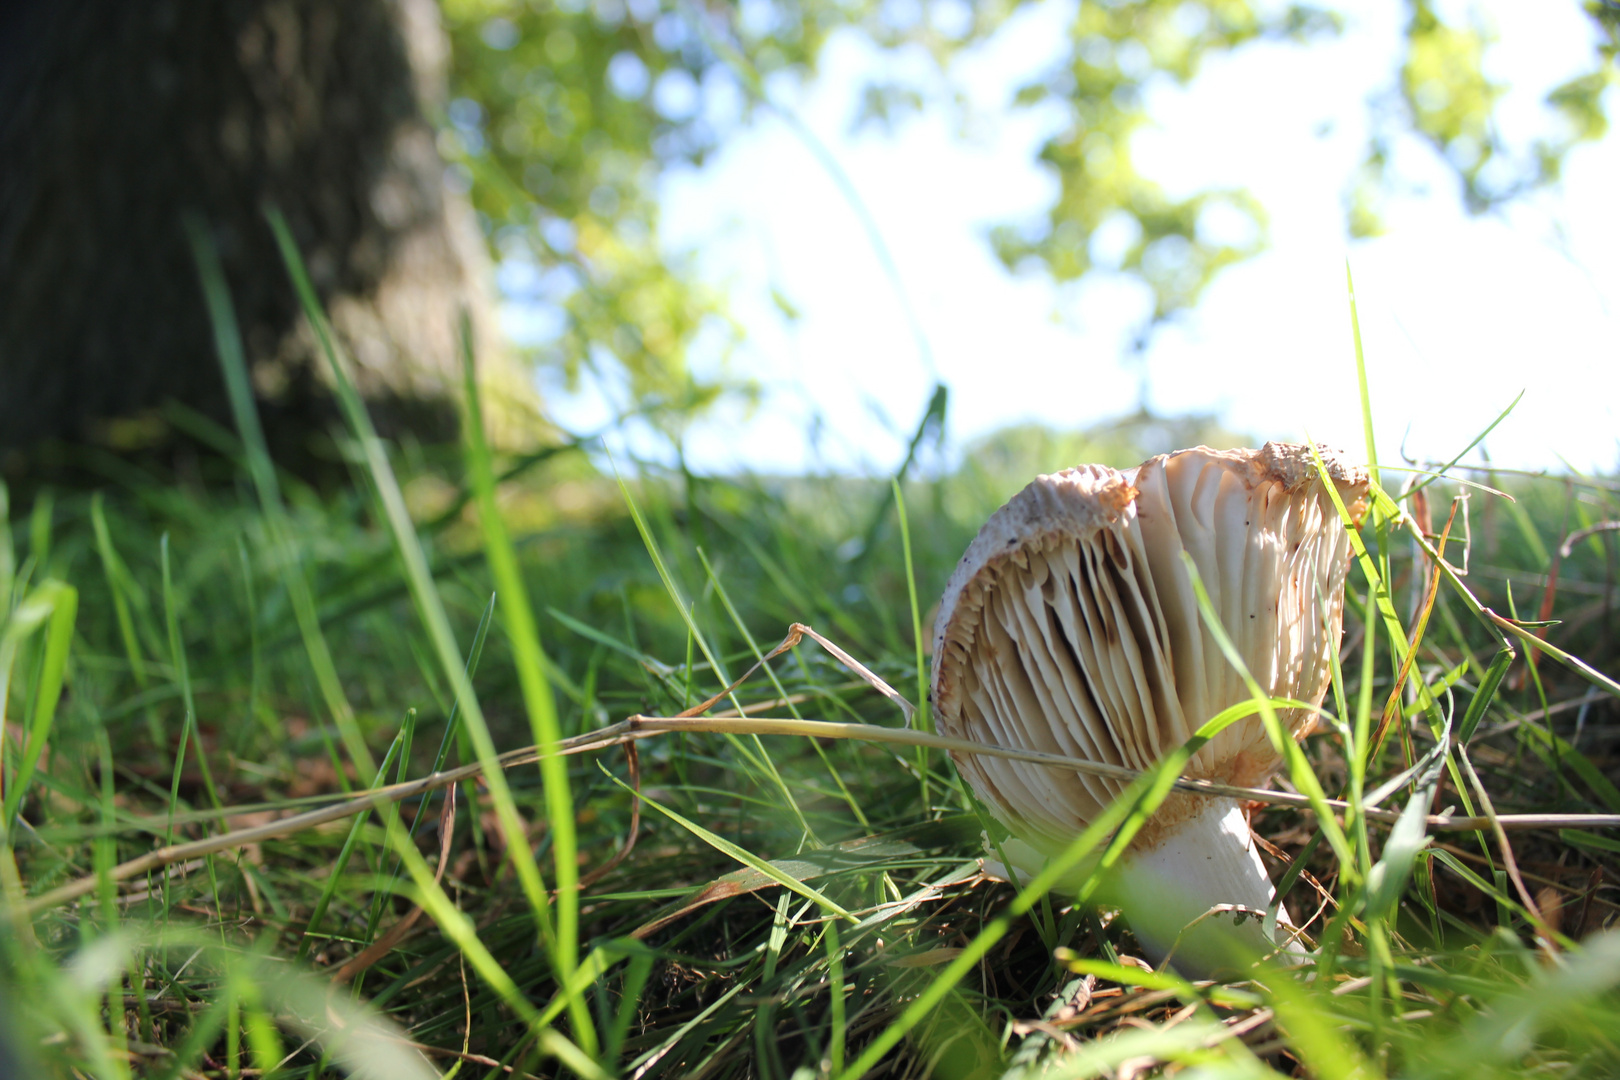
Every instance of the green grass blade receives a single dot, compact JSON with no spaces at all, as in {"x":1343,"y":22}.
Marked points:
{"x":924,"y":716}
{"x":744,"y":856}
{"x":121,"y":587}
{"x":255,"y":654}
{"x":334,"y":877}
{"x":1504,"y":1033}
{"x":635,"y":982}
{"x":461,"y":930}
{"x":529,"y":656}
{"x":182,"y":668}
{"x":1486,"y":693}
{"x":1361,"y":379}
{"x":1315,"y":1035}
{"x":835,"y":980}
{"x":1590,"y":841}
{"x":781,"y":691}
{"x":54,"y":605}
{"x":233,"y":365}
{"x":1369,"y":568}
{"x":40,"y":521}
{"x":1299,"y":769}
{"x":118,"y":585}
{"x":1556,"y":752}
{"x":8,"y":553}
{"x":1441,"y":472}
{"x":430,"y":608}
{"x":760,"y":757}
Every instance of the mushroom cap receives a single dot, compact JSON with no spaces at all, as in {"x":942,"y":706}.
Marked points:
{"x":1071,"y":626}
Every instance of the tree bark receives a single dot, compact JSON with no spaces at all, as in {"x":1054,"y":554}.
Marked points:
{"x":118,"y":118}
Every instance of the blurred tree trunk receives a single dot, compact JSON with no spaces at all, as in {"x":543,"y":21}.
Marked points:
{"x":118,"y":117}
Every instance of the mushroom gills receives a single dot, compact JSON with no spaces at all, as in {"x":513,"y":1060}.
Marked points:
{"x":1071,"y":627}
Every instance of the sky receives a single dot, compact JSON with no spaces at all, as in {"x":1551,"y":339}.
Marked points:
{"x":1457,"y":314}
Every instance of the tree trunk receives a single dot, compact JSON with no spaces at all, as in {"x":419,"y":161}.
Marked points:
{"x":117,"y":118}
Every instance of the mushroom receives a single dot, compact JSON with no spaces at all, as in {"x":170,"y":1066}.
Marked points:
{"x":1071,"y":627}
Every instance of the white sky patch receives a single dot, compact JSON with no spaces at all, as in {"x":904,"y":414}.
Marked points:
{"x":1457,"y":314}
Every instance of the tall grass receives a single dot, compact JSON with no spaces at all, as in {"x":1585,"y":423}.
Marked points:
{"x":191,"y":665}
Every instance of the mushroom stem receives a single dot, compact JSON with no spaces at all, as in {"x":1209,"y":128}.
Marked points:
{"x":1174,"y":892}
{"x":1167,"y":891}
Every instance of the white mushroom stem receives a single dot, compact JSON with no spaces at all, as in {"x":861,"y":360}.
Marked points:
{"x":1176,"y":894}
{"x":1166,"y":892}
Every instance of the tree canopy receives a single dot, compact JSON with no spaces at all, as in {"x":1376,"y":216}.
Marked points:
{"x":564,"y":114}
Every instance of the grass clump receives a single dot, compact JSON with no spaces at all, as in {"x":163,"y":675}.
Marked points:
{"x":182,"y":664}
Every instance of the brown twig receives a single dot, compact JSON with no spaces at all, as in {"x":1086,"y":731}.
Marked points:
{"x":1578,"y":535}
{"x":640,"y":727}
{"x":1512,"y":864}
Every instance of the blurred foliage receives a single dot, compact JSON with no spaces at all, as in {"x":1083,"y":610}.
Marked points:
{"x":1446,"y":97}
{"x":565,"y":115}
{"x":562,"y":116}
{"x":1003,"y":461}
{"x":1174,"y":246}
